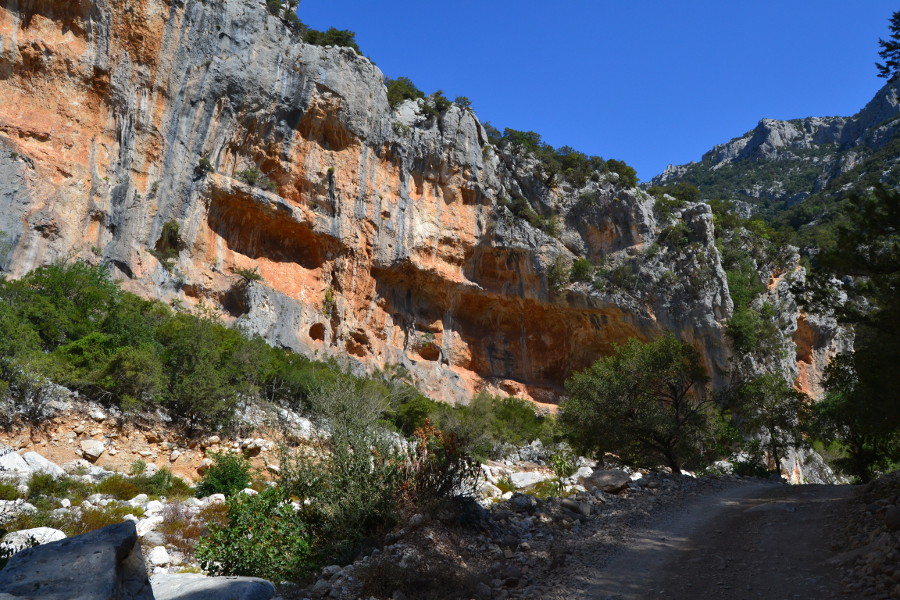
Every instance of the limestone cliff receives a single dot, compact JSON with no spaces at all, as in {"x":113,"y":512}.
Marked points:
{"x":384,"y":235}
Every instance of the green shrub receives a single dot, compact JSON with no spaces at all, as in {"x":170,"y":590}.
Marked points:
{"x":505,"y":485}
{"x":118,"y":486}
{"x":462,"y":102}
{"x":353,"y":484}
{"x":582,"y":270}
{"x":515,"y":422}
{"x":9,"y":491}
{"x":436,"y":104}
{"x":557,"y":276}
{"x":44,"y":485}
{"x":332,"y":37}
{"x":627,"y":174}
{"x":138,"y":467}
{"x":204,"y":166}
{"x":412,"y":412}
{"x":274,"y":6}
{"x":163,"y":483}
{"x":229,"y":474}
{"x":92,"y":519}
{"x":438,"y":468}
{"x":563,"y":462}
{"x":676,"y":236}
{"x":401,"y":89}
{"x":488,"y":425}
{"x":247,"y":275}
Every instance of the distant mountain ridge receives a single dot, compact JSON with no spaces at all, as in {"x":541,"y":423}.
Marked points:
{"x":780,"y":164}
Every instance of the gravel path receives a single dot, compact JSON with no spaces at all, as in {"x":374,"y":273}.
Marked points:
{"x":746,"y":541}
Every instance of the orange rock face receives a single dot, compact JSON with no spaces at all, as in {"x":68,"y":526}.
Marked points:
{"x":377,"y":230}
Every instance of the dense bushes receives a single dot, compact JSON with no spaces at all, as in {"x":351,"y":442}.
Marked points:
{"x":70,"y":324}
{"x":353,"y":480}
{"x":332,"y":37}
{"x":262,"y":538}
{"x":229,"y":474}
{"x":646,"y":403}
{"x":521,"y":208}
{"x":564,"y":162}
{"x":401,"y":89}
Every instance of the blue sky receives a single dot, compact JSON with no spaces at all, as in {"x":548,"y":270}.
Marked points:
{"x":648,"y":82}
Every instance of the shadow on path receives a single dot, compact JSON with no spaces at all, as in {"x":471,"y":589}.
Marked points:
{"x":744,"y":543}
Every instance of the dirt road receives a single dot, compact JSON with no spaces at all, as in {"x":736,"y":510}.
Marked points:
{"x":742,"y":543}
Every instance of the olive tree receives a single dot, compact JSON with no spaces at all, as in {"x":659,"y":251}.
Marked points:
{"x":646,"y":403}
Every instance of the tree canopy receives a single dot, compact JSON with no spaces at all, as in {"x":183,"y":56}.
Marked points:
{"x":861,"y":409}
{"x":890,"y":50}
{"x":646,"y":403}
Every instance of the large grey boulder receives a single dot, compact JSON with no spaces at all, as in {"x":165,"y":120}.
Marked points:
{"x":17,"y":541}
{"x":106,"y":564}
{"x":526,"y":479}
{"x":10,"y":509}
{"x":611,"y":481}
{"x":92,"y":449}
{"x":190,"y":586}
{"x":39,"y":464}
{"x":10,"y":460}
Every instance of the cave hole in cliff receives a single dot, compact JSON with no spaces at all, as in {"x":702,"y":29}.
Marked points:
{"x":317,"y":332}
{"x":322,"y":124}
{"x":234,"y":300}
{"x":430,"y":352}
{"x":258,"y":231}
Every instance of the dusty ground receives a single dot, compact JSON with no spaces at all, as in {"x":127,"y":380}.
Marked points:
{"x":742,"y":542}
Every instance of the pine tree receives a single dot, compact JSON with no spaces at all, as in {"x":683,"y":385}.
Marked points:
{"x":890,"y":50}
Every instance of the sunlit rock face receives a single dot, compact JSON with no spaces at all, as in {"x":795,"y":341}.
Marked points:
{"x":382,"y":235}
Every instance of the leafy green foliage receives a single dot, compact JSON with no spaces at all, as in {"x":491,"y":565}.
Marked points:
{"x":558,"y":276}
{"x":676,"y":236}
{"x":204,"y":167}
{"x":401,"y":89}
{"x":521,"y":208}
{"x":353,"y":484}
{"x":253,"y":176}
{"x":332,"y":37}
{"x":72,"y":325}
{"x":645,"y":403}
{"x":436,"y":104}
{"x":565,"y":162}
{"x":682,"y":193}
{"x":484,"y":428}
{"x":860,"y":410}
{"x":582,"y":270}
{"x":771,"y":406}
{"x":229,"y":474}
{"x":247,"y":275}
{"x":262,"y":538}
{"x":462,"y":102}
{"x":627,"y":174}
{"x":890,"y":50}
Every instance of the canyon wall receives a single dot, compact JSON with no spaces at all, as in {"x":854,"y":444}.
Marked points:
{"x":384,"y":236}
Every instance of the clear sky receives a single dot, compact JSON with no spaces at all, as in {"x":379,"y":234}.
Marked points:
{"x":651,"y":82}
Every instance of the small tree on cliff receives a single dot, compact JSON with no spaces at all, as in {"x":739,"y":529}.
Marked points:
{"x":646,"y":403}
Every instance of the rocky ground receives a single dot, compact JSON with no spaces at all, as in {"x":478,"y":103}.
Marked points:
{"x":654,"y":536}
{"x":615,"y":533}
{"x":869,"y":561}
